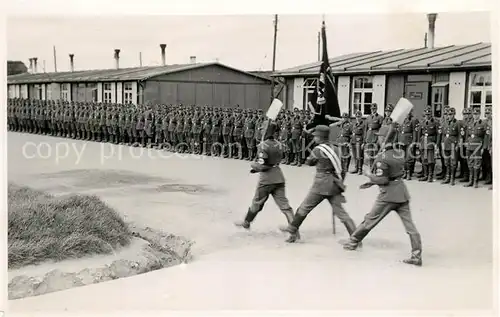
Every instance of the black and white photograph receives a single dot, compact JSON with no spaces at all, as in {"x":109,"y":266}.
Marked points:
{"x":334,"y":162}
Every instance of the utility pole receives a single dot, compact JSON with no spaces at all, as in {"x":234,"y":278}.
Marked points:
{"x":55,"y":59}
{"x":274,"y":53}
{"x":140,"y":59}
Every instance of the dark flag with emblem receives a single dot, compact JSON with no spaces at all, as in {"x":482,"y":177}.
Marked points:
{"x":325,"y":101}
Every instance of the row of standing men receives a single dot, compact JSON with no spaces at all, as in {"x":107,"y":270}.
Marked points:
{"x":462,"y":146}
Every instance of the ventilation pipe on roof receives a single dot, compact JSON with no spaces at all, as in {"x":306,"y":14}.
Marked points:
{"x":431,"y":17}
{"x":192,"y":59}
{"x":117,"y":58}
{"x":35,"y":70}
{"x":71,"y":64}
{"x":163,"y":58}
{"x":31,"y":66}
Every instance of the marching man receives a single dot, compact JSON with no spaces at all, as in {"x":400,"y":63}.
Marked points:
{"x":328,"y":184}
{"x":271,"y":179}
{"x":387,"y":172}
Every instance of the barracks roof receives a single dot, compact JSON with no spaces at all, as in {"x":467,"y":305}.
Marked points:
{"x":438,"y":58}
{"x":122,"y":74}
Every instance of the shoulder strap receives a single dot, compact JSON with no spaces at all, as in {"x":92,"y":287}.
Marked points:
{"x":334,"y":158}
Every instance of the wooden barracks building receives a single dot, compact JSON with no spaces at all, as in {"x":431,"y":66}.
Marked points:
{"x":459,"y":76}
{"x":455,"y":75}
{"x":209,"y":83}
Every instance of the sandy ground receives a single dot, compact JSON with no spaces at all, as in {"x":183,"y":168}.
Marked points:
{"x":201,"y":197}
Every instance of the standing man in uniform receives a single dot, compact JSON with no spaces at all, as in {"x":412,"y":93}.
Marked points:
{"x":237,"y":135}
{"x":488,"y":142}
{"x":358,"y":131}
{"x":344,"y":140}
{"x":296,"y":139}
{"x":327,"y":185}
{"x":407,"y":136}
{"x":227,"y":129}
{"x":476,"y":132}
{"x":451,"y":144}
{"x":215,"y":134}
{"x":428,"y":132}
{"x":207,"y":129}
{"x":271,"y":179}
{"x":373,"y":124}
{"x":442,"y":122}
{"x":463,"y":159}
{"x":249,"y":135}
{"x":387,"y":173}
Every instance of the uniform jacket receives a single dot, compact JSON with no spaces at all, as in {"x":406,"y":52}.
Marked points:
{"x":269,"y":155}
{"x":373,"y":124}
{"x":488,"y":138}
{"x":476,"y":131}
{"x":408,"y":131}
{"x":358,"y":132}
{"x":387,"y":174}
{"x":249,"y":127}
{"x":327,"y":181}
{"x":227,"y":126}
{"x":428,"y":131}
{"x":345,"y":132}
{"x":451,"y":133}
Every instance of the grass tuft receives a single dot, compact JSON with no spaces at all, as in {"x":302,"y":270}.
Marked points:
{"x":43,"y":227}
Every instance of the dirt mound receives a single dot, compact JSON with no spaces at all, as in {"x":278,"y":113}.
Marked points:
{"x":43,"y":227}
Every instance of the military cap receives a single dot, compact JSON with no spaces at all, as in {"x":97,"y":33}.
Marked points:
{"x":389,"y":108}
{"x":476,"y":111}
{"x":322,"y":131}
{"x":487,"y":110}
{"x":466,"y":111}
{"x":358,"y":114}
{"x":428,"y":111}
{"x":374,"y":106}
{"x":345,"y":115}
{"x":451,"y":110}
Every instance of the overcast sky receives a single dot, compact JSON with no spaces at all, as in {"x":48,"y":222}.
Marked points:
{"x":242,"y":41}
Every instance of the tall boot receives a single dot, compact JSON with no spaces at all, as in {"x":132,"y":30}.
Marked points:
{"x":430,"y":171}
{"x":423,"y":177}
{"x":293,"y":227}
{"x":448,"y":176}
{"x":452,"y":175}
{"x":466,"y":173}
{"x":360,"y":167}
{"x":443,"y":173}
{"x":356,"y":237}
{"x":350,"y":226}
{"x":289,"y":218}
{"x":416,"y":250}
{"x":249,"y":218}
{"x":470,"y":182}
{"x":293,"y":158}
{"x":475,"y":177}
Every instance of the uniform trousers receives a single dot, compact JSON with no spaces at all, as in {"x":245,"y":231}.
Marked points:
{"x":381,"y":209}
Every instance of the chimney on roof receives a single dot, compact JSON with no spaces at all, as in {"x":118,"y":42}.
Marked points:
{"x":163,"y":58}
{"x":30,"y":70}
{"x":71,"y":64}
{"x":117,"y":58}
{"x":35,"y":70}
{"x":431,"y":17}
{"x":192,"y":59}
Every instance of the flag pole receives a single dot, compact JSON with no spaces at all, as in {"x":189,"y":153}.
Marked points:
{"x":274,"y":53}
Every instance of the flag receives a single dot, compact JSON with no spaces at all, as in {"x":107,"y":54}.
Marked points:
{"x":325,"y":99}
